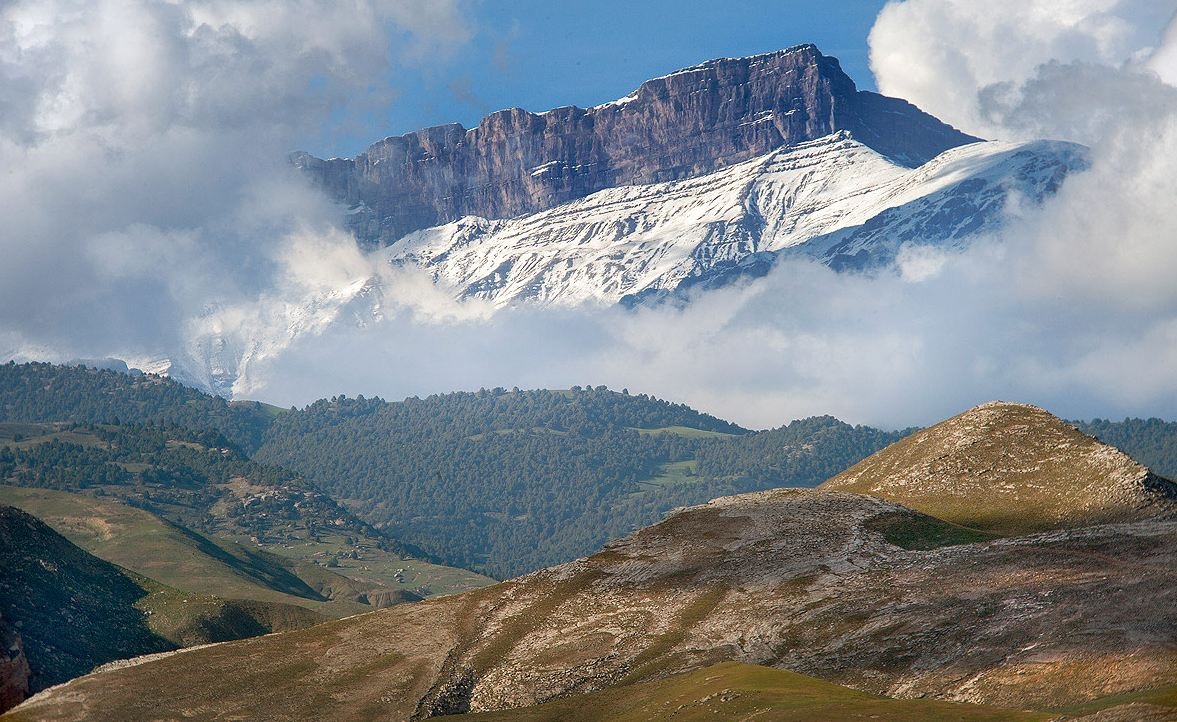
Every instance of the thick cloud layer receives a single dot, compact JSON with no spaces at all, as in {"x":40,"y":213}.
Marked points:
{"x":154,"y":207}
{"x":145,"y":149}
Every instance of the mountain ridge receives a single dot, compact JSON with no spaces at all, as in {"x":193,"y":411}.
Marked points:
{"x":686,"y":123}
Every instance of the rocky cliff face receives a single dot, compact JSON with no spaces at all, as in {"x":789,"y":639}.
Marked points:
{"x":682,"y":125}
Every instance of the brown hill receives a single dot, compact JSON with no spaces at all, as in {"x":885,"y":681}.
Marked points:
{"x":1010,"y":468}
{"x":844,"y":587}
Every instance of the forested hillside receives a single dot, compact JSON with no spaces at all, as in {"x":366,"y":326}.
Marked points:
{"x":505,"y":482}
{"x":46,"y":392}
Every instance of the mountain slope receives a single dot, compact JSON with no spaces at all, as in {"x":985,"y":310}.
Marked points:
{"x":729,"y":691}
{"x":73,"y":611}
{"x":137,"y":540}
{"x":70,"y":611}
{"x":1010,"y":468}
{"x":232,"y":526}
{"x":802,"y":580}
{"x":1152,"y":442}
{"x":682,"y":125}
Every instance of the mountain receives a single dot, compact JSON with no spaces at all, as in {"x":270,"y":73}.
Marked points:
{"x":66,"y":612}
{"x":697,"y":178}
{"x":704,"y":177}
{"x":833,"y":200}
{"x":843,"y":587}
{"x":686,"y":124}
{"x":1011,"y":468}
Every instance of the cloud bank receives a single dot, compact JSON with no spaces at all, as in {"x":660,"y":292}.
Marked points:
{"x":156,"y":207}
{"x":145,"y":150}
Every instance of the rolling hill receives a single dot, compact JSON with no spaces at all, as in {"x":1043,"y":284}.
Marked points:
{"x":1010,"y":468}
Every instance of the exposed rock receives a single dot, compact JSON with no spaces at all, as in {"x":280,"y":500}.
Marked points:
{"x":682,"y":125}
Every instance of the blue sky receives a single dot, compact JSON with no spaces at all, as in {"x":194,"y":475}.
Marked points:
{"x":539,"y":54}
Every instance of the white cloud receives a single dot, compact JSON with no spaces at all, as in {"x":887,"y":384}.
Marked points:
{"x":950,"y":56}
{"x":144,"y":143}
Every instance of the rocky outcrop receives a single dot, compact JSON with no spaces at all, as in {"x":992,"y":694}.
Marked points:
{"x":682,"y":125}
{"x":14,"y":668}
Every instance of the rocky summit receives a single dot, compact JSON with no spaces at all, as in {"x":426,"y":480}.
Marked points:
{"x":1011,"y":468}
{"x":685,"y":124}
{"x":848,"y":588}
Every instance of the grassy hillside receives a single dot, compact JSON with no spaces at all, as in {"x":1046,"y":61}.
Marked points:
{"x":734,"y":691}
{"x":204,"y":565}
{"x":144,"y":543}
{"x":74,"y":611}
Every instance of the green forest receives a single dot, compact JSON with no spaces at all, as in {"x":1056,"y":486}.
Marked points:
{"x":505,"y":482}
